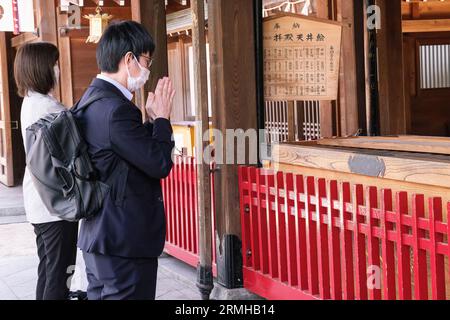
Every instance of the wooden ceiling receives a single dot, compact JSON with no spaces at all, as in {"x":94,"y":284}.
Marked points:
{"x":431,"y":9}
{"x":426,"y":16}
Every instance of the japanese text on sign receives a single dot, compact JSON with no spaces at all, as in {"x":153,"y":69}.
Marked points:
{"x":301,"y":58}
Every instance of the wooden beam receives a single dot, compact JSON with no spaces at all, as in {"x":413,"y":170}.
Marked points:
{"x":233,"y":74}
{"x":23,"y":38}
{"x":399,"y":166}
{"x":435,"y":25}
{"x":393,"y":113}
{"x":394,"y":143}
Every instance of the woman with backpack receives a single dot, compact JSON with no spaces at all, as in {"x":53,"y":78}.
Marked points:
{"x":37,"y":73}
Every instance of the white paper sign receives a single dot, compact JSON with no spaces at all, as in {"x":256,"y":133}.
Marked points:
{"x":26,"y":16}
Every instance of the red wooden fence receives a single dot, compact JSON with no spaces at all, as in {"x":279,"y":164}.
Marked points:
{"x":180,"y":198}
{"x":310,"y":238}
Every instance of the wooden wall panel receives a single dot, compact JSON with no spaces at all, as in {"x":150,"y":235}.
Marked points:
{"x":177,"y":70}
{"x":84,"y":66}
{"x":79,"y":62}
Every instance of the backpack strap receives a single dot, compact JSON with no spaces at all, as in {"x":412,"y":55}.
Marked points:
{"x":81,"y":107}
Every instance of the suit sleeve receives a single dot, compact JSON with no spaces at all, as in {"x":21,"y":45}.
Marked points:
{"x":149,"y":126}
{"x":147,"y":148}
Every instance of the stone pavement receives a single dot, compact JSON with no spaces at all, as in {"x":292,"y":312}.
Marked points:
{"x":11,"y":202}
{"x":18,"y":269}
{"x":18,"y":262}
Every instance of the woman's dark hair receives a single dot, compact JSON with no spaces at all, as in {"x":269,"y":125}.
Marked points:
{"x":119,"y":39}
{"x":34,"y":68}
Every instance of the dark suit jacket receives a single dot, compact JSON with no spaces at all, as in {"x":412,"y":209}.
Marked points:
{"x":132,"y":222}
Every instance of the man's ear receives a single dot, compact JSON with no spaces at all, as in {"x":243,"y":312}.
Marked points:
{"x":128,"y":58}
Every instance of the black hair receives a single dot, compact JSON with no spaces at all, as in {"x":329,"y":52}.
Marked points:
{"x":119,"y":39}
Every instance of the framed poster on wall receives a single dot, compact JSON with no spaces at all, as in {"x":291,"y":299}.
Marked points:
{"x":301,"y":58}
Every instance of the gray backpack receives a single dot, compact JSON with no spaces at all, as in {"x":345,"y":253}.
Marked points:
{"x":61,"y":169}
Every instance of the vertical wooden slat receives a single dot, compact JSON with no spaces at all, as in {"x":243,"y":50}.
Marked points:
{"x":300,"y":224}
{"x":291,"y":239}
{"x":372,"y":241}
{"x":403,"y":251}
{"x":262,"y":216}
{"x":437,"y":260}
{"x":360,"y":244}
{"x":173,"y":200}
{"x":189,"y":205}
{"x":254,"y":220}
{"x":448,"y":239}
{"x":281,"y":229}
{"x":192,"y":202}
{"x":334,"y":242}
{"x":213,"y":215}
{"x":164,"y":190}
{"x":195,"y":202}
{"x":245,"y":206}
{"x":388,"y":253}
{"x":271,"y":235}
{"x":181,"y":195}
{"x":346,"y":237}
{"x":311,"y":238}
{"x":291,"y":121}
{"x":420,"y":255}
{"x":186,"y":203}
{"x":322,"y":240}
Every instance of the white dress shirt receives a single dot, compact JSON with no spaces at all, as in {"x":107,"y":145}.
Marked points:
{"x":34,"y":107}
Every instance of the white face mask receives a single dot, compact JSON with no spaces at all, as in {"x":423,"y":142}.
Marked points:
{"x":135,"y":84}
{"x":57,"y":73}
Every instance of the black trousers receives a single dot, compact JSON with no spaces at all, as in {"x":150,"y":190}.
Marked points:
{"x":57,"y":250}
{"x":115,"y":278}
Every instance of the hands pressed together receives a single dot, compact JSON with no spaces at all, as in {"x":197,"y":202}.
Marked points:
{"x":160,"y":103}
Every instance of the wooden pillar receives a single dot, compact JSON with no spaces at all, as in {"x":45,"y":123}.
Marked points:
{"x":205,"y":276}
{"x":348,"y":103}
{"x":47,"y":18}
{"x":6,"y":148}
{"x":360,"y":30}
{"x":47,"y":26}
{"x":393,"y":114}
{"x":326,"y":107}
{"x":65,"y":63}
{"x":152,"y":15}
{"x":233,"y":75}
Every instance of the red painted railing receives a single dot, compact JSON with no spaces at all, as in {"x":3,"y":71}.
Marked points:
{"x":311,"y":238}
{"x":180,"y":198}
